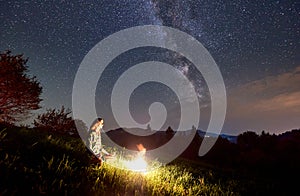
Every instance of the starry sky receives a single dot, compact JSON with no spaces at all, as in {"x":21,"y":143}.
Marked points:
{"x":254,"y":43}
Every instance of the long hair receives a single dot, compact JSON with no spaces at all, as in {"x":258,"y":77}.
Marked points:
{"x":95,"y":121}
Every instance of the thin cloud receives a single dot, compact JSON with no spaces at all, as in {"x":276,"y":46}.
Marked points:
{"x":268,"y":103}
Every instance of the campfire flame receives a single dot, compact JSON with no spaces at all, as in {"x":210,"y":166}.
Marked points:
{"x":138,"y":164}
{"x":142,"y":149}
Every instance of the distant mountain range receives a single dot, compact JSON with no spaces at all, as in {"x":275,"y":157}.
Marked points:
{"x":130,"y":137}
{"x":231,"y":138}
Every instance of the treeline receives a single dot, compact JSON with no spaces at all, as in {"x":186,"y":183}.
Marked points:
{"x":258,"y":152}
{"x":271,"y":160}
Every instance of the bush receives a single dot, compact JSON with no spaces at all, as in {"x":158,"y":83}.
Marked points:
{"x":59,"y":120}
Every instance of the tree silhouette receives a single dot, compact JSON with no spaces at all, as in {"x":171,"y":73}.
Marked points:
{"x":148,"y":127}
{"x":19,"y":93}
{"x":170,"y":131}
{"x":57,"y":120}
{"x":248,"y":139}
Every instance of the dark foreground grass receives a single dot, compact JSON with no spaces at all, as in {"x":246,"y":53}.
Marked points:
{"x":34,"y":162}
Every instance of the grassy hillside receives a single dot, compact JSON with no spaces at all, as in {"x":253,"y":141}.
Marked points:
{"x":36,"y":162}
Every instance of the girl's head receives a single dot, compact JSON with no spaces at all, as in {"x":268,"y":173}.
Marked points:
{"x":97,"y":122}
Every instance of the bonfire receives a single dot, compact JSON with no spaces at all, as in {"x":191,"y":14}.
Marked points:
{"x":138,"y":163}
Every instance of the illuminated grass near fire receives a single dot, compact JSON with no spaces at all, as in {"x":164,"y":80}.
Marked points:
{"x":138,"y":164}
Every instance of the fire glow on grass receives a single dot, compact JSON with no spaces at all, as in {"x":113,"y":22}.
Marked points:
{"x":138,"y":164}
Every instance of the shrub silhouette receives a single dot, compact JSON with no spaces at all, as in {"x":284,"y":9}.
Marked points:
{"x":60,"y":121}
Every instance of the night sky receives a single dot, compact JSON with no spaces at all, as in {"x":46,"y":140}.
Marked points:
{"x":256,"y":45}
